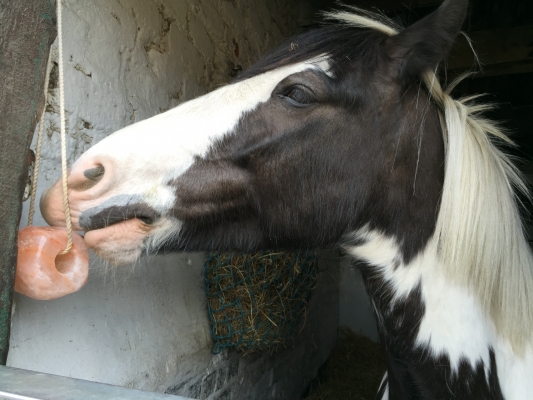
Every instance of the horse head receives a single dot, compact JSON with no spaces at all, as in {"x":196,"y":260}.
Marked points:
{"x":341,"y":135}
{"x":328,"y":133}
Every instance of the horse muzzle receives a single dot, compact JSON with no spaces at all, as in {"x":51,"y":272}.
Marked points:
{"x":115,"y":226}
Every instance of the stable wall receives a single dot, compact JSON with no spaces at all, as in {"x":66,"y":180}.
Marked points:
{"x":355,"y":309}
{"x":146,"y":326}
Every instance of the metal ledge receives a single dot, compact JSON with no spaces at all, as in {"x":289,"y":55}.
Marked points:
{"x":19,"y":384}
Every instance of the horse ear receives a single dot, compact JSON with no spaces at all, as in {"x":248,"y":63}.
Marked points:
{"x":426,"y":43}
{"x":211,"y":188}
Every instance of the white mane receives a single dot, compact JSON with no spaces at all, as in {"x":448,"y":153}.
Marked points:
{"x":481,"y":242}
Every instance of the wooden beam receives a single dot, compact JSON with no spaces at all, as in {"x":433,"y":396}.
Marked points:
{"x":27,"y":30}
{"x":501,"y":51}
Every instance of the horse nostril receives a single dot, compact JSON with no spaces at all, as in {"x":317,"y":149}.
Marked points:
{"x":93,"y":175}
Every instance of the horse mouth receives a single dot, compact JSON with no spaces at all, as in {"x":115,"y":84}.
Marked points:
{"x":120,"y":243}
{"x":117,"y":233}
{"x":100,"y":218}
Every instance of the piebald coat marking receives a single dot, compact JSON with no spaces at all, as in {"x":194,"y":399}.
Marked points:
{"x":347,"y":139}
{"x":453,"y":324}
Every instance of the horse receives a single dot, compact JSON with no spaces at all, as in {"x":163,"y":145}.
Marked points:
{"x":343,"y":135}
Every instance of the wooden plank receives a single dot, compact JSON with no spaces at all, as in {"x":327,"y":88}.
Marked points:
{"x":501,"y":51}
{"x":27,"y":29}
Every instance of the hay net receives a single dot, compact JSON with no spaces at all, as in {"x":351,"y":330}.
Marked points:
{"x":255,"y":301}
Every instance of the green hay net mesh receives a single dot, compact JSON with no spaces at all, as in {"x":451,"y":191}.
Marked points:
{"x":256,"y":301}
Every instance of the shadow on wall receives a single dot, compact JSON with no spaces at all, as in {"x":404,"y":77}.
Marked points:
{"x":355,"y":310}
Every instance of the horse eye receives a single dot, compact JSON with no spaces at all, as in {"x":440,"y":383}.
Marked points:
{"x":297,"y":96}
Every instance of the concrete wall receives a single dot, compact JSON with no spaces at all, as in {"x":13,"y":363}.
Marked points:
{"x":145,"y":326}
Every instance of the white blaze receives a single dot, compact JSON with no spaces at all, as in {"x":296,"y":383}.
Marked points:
{"x":144,"y":156}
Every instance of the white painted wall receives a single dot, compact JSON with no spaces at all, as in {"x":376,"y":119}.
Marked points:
{"x":145,"y":326}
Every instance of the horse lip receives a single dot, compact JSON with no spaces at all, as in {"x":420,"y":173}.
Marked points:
{"x":115,"y":211}
{"x":101,"y":223}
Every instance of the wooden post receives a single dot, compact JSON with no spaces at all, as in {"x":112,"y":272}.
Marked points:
{"x":27,"y":30}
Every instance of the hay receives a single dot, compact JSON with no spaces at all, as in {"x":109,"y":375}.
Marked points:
{"x":256,"y":301}
{"x":353,"y":371}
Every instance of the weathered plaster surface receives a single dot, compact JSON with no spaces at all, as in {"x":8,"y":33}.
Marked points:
{"x":146,"y":326}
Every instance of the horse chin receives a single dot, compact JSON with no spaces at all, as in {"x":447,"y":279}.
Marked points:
{"x":120,"y":243}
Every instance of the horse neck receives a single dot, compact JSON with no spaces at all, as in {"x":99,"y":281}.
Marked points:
{"x":424,"y":320}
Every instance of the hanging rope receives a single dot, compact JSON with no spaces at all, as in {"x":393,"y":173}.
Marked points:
{"x":66,"y":206}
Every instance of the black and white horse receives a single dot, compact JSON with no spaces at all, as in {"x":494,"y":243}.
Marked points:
{"x":342,"y":135}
